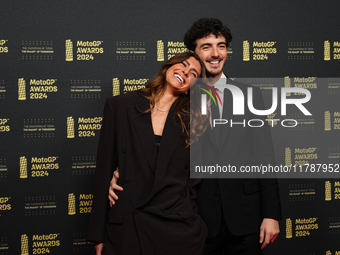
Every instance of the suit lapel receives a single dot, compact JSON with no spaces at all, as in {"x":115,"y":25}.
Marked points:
{"x":143,"y":126}
{"x":226,"y":114}
{"x":171,"y":136}
{"x":209,"y":132}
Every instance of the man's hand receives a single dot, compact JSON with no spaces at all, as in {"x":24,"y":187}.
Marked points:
{"x":269,"y":230}
{"x":113,"y":186}
{"x":99,"y":247}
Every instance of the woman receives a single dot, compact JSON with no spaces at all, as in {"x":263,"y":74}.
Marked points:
{"x":145,"y":134}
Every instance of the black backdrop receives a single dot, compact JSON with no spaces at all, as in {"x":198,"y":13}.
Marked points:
{"x":61,"y":59}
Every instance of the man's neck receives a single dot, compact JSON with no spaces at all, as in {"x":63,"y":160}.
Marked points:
{"x":216,"y":76}
{"x":215,"y":79}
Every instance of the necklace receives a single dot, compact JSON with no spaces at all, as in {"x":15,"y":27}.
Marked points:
{"x":161,"y":109}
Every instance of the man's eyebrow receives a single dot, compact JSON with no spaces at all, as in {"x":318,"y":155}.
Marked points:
{"x":209,"y":44}
{"x":205,"y":44}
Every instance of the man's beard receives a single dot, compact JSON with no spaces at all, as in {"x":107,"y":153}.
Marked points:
{"x":214,"y":72}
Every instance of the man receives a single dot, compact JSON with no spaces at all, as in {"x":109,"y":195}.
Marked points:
{"x":241,"y":214}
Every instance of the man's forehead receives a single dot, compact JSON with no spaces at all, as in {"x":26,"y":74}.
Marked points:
{"x":212,"y":37}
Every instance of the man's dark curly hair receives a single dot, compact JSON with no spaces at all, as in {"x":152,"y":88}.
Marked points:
{"x":204,"y":27}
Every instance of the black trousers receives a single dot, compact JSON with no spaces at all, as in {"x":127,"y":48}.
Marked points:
{"x":225,"y":243}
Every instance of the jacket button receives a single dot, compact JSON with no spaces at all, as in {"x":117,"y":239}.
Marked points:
{"x":136,"y":211}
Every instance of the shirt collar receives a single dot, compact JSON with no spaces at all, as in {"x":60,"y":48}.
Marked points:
{"x":221,"y":83}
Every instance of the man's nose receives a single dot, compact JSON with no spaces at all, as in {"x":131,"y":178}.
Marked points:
{"x":214,"y":52}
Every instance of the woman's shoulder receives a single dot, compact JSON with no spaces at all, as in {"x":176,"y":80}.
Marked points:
{"x":126,"y":98}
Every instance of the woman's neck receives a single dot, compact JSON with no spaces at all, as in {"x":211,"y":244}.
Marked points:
{"x":165,"y":101}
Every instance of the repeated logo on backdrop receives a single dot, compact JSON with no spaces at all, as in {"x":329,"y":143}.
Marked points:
{"x":39,"y":89}
{"x":37,"y":50}
{"x":38,"y":128}
{"x":45,"y":104}
{"x":80,"y":89}
{"x":38,"y":166}
{"x":40,"y":243}
{"x":40,"y":205}
{"x":331,"y":50}
{"x":130,"y":51}
{"x":301,"y":227}
{"x":3,"y":46}
{"x":83,"y":50}
{"x":83,"y":127}
{"x":166,"y":50}
{"x":81,"y":203}
{"x":259,"y":50}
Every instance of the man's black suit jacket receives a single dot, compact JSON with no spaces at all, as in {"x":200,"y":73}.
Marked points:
{"x":244,"y":203}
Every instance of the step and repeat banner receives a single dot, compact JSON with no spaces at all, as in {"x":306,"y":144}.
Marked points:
{"x":60,"y":60}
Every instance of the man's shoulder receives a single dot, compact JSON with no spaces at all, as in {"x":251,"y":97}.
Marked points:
{"x":244,"y":86}
{"x":240,"y":84}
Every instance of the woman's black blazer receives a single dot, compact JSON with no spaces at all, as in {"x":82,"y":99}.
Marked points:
{"x":155,"y":213}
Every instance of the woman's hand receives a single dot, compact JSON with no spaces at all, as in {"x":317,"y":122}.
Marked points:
{"x":113,"y":186}
{"x":99,"y":247}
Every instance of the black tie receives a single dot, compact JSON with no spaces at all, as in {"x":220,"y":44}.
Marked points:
{"x":215,"y":114}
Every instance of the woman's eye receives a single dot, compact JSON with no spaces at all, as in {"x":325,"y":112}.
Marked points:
{"x":183,"y":64}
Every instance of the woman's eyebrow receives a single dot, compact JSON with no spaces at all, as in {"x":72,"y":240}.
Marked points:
{"x":186,"y":61}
